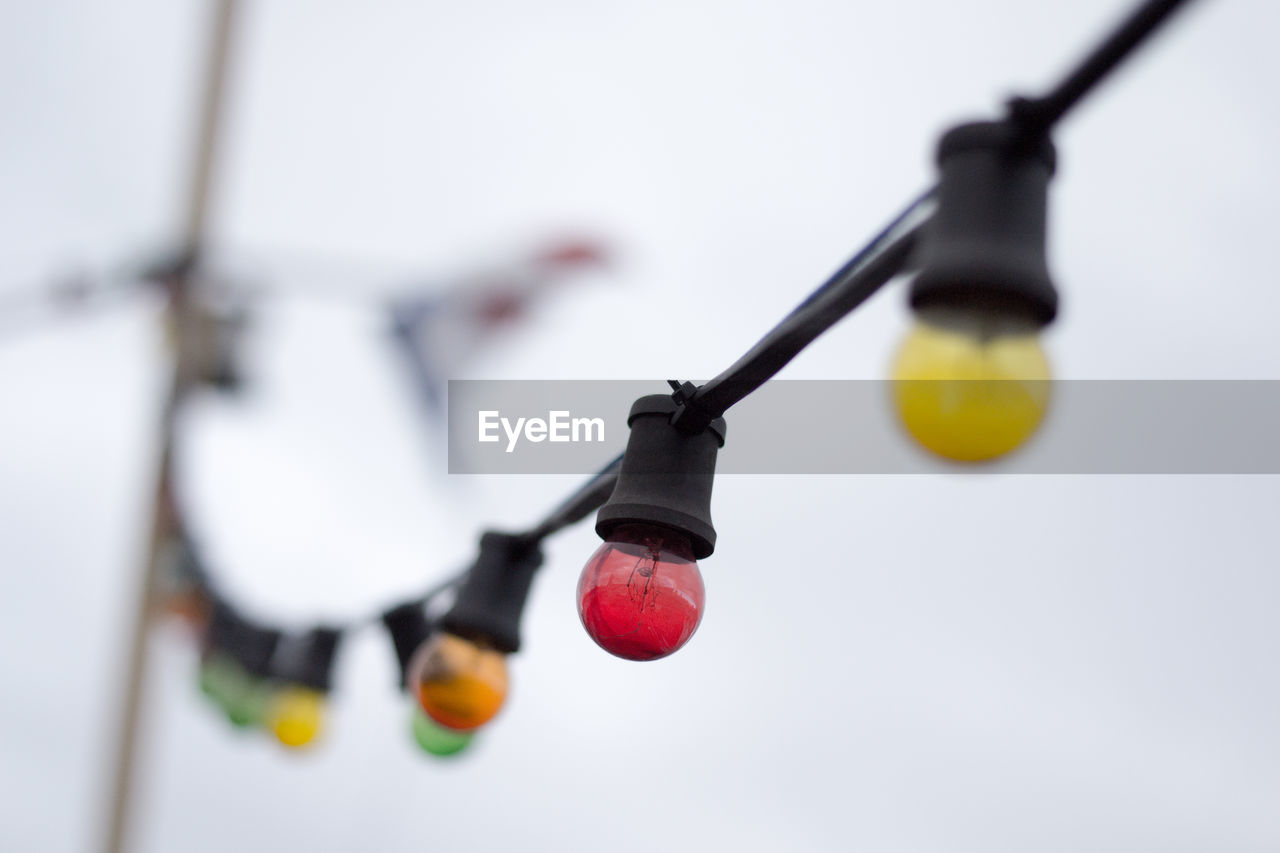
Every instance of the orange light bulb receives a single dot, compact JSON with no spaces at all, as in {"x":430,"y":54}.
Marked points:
{"x":458,"y":683}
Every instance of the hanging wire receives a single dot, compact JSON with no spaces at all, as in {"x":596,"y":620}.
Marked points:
{"x":849,"y":287}
{"x":581,"y":503}
{"x":1038,"y":115}
{"x":885,"y":255}
{"x":586,"y":500}
{"x":889,"y":252}
{"x":71,"y":295}
{"x":854,"y":283}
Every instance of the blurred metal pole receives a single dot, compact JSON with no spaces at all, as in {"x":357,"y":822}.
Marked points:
{"x":179,"y":317}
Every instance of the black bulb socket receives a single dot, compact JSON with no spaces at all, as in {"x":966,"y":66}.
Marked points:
{"x":491,"y":601}
{"x":984,"y":248}
{"x":409,"y":628}
{"x":307,"y":659}
{"x":666,"y":475}
{"x":247,"y":644}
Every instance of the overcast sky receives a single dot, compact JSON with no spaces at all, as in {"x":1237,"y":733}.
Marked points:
{"x":934,"y":663}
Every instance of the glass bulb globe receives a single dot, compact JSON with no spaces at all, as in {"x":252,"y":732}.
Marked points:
{"x":296,"y":715}
{"x":640,"y":596}
{"x":220,"y":676}
{"x":971,"y":387}
{"x":458,"y":683}
{"x":241,"y":696}
{"x":435,"y":738}
{"x":246,"y":704}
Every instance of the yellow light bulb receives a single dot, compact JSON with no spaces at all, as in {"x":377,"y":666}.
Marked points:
{"x":296,"y":715}
{"x":971,"y":387}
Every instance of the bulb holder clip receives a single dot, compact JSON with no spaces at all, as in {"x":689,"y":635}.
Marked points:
{"x":666,"y":475}
{"x":307,"y":659}
{"x":408,"y":627}
{"x":247,"y":644}
{"x":984,"y":249}
{"x":491,"y":600}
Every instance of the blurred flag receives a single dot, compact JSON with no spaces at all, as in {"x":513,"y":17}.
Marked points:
{"x":439,"y":332}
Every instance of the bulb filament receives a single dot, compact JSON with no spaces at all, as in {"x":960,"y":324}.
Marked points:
{"x":645,"y":567}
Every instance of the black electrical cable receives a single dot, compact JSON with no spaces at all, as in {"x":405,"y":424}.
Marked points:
{"x":851,"y":285}
{"x":26,"y":312}
{"x":888,"y":253}
{"x":1038,"y":115}
{"x":589,"y":497}
{"x":586,"y":500}
{"x":884,"y":256}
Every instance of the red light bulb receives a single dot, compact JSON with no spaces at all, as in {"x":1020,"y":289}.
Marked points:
{"x":640,"y":596}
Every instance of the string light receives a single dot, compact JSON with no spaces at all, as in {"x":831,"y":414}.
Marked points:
{"x":971,"y":388}
{"x":302,"y":668}
{"x":236,"y":668}
{"x":970,"y":385}
{"x":971,"y":381}
{"x":409,"y":630}
{"x":640,"y":596}
{"x":459,"y":675}
{"x":460,"y":684}
{"x":296,"y":715}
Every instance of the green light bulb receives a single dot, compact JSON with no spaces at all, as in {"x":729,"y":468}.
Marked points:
{"x":241,"y":696}
{"x":220,"y":677}
{"x":247,"y":704}
{"x":435,"y":738}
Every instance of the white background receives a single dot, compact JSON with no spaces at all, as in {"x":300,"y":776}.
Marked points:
{"x":933,"y":663}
